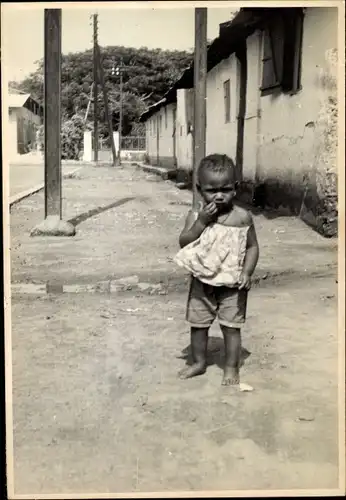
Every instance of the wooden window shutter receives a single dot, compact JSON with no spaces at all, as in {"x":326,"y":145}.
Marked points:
{"x":293,"y":47}
{"x":273,"y":53}
{"x":268,"y":71}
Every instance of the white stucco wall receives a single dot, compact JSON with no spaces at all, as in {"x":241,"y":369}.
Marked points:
{"x":159,"y":135}
{"x":287,"y":122}
{"x":279,"y":130}
{"x":184,"y":140}
{"x":221,"y":136}
{"x":151,"y":140}
{"x":253,"y":104}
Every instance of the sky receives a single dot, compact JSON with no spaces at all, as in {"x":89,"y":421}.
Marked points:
{"x":129,"y":24}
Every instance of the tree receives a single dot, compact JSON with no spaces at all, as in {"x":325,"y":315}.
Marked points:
{"x":147,"y":75}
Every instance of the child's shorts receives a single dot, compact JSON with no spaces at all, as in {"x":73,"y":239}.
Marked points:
{"x":206,"y":302}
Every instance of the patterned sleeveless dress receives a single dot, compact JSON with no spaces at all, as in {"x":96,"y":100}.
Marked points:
{"x":217,"y":256}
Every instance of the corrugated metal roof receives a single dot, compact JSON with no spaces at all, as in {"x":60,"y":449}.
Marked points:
{"x":17,"y":100}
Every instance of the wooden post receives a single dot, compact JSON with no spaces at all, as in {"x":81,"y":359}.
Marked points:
{"x":200,"y":80}
{"x":105,"y":100}
{"x":96,"y":130}
{"x":121,"y":110}
{"x":52,"y":225}
{"x":52,"y":111}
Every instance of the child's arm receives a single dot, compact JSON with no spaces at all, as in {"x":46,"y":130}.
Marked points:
{"x":192,"y":230}
{"x":195,"y":225}
{"x":251,"y":257}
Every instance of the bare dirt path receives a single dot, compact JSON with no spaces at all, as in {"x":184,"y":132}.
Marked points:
{"x":98,"y":406}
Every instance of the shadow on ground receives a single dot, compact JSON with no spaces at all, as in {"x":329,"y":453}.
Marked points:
{"x":215,"y":355}
{"x":98,"y":210}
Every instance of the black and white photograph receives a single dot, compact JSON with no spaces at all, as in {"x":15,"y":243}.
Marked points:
{"x":173,"y":227}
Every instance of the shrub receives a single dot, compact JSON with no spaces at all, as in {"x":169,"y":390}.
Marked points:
{"x":72,"y":133}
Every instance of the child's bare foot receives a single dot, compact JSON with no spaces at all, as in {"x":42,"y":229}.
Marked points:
{"x":193,"y":371}
{"x":230,"y":376}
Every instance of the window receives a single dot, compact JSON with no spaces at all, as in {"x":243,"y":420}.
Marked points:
{"x":282,"y":41}
{"x":227,"y":100}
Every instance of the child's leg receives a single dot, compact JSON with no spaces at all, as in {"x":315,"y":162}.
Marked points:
{"x":232,"y":339}
{"x":201,"y":312}
{"x":232,"y":313}
{"x":199,"y":344}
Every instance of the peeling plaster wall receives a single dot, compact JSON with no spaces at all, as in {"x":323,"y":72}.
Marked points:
{"x":184,"y":138}
{"x":298,"y":133}
{"x":320,"y":206}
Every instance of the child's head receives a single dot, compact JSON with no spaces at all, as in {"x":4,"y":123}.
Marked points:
{"x":216,"y":180}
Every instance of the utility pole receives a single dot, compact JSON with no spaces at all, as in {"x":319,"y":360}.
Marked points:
{"x":121,"y":110}
{"x":89,"y":101}
{"x":105,"y":100}
{"x":200,"y":94}
{"x":53,"y":225}
{"x":119,"y":72}
{"x":95,"y":54}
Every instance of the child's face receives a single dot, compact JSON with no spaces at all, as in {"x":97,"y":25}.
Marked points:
{"x":217,"y":187}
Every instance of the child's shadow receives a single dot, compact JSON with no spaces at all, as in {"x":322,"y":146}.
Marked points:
{"x":215,"y":354}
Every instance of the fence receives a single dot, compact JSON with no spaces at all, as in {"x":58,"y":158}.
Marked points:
{"x":129,"y":143}
{"x":132,"y":148}
{"x":133,"y":143}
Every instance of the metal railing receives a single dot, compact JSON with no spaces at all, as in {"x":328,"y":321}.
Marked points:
{"x":133,"y":143}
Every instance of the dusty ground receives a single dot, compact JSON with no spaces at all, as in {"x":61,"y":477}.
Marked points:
{"x":97,"y":403}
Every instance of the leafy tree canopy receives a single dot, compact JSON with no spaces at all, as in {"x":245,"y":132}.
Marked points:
{"x":147,"y":75}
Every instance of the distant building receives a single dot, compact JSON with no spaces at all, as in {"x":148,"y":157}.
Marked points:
{"x":271,"y":106}
{"x":169,"y":130}
{"x":25,"y":116}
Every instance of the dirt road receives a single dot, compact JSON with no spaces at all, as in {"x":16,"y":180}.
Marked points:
{"x":98,"y":406}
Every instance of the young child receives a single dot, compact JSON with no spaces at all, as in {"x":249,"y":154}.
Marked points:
{"x":220,"y":250}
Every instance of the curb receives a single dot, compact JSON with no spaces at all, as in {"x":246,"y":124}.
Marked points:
{"x":35,"y":189}
{"x":24,"y":194}
{"x":134,"y":284}
{"x":164,"y":173}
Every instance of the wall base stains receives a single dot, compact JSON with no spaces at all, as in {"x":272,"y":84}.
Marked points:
{"x":164,"y":161}
{"x":184,"y":176}
{"x":297,"y":200}
{"x":286,"y":200}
